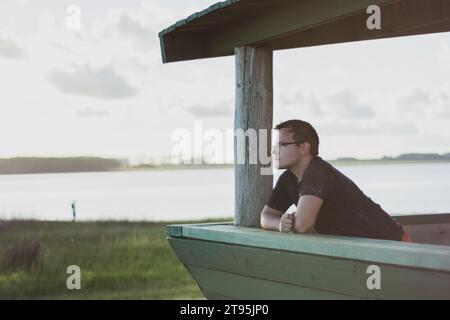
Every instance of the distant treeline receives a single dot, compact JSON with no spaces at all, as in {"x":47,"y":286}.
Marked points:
{"x":22,"y":165}
{"x":424,"y":156}
{"x":409,"y":157}
{"x":48,"y":165}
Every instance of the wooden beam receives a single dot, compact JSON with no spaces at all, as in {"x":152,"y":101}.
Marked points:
{"x":306,"y":23}
{"x":254,"y":111}
{"x":347,"y":277}
{"x":187,"y":46}
{"x":259,"y":28}
{"x":417,"y":17}
{"x":415,"y":255}
{"x":287,"y":19}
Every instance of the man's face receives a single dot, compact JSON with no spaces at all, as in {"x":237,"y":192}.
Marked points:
{"x":285,"y":153}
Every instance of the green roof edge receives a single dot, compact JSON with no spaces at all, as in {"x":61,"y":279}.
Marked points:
{"x":196,"y":15}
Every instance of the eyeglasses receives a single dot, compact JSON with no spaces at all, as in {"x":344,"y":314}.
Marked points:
{"x":283,"y":144}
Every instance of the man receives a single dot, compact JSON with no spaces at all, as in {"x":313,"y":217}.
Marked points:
{"x":327,"y":201}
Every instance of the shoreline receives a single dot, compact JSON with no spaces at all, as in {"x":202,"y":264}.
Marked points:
{"x":6,"y":221}
{"x":166,"y":167}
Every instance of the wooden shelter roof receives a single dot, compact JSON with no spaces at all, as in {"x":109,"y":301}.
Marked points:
{"x":285,"y":24}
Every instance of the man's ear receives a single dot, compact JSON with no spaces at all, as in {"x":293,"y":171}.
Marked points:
{"x":305,"y":147}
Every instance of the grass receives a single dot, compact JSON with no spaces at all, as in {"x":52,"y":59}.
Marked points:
{"x":118,"y":260}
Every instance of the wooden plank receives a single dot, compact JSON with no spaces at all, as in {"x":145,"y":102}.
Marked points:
{"x":293,"y":24}
{"x":282,"y":21}
{"x":407,"y":283}
{"x":174,"y":230}
{"x":213,"y":13}
{"x":186,"y":47}
{"x":423,"y":218}
{"x":241,"y":287}
{"x":427,"y":228}
{"x":409,"y":220}
{"x":254,"y":111}
{"x":438,"y":233}
{"x":342,"y":276}
{"x":286,"y":267}
{"x":263,"y":27}
{"x":418,"y":17}
{"x":381,"y":251}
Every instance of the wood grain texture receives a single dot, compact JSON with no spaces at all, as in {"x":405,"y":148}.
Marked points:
{"x":254,"y":111}
{"x":413,"y":255}
{"x":325,"y":275}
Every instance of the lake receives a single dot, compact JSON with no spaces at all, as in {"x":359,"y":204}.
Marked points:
{"x":200,"y":193}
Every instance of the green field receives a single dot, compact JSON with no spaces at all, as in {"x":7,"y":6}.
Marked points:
{"x":118,"y":260}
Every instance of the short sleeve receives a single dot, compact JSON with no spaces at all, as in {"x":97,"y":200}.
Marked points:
{"x":315,"y":182}
{"x":279,"y":198}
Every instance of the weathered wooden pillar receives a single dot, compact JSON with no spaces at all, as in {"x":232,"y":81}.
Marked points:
{"x":254,"y":111}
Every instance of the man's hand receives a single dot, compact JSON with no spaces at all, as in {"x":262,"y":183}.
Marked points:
{"x":286,"y":222}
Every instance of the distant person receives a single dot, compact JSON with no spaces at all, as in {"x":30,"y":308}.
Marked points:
{"x":327,"y":201}
{"x":74,"y":211}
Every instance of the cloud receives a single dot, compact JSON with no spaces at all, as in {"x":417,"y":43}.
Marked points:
{"x":138,"y":27}
{"x":444,"y":110}
{"x":128,"y":28}
{"x":91,"y":113}
{"x":444,"y":52}
{"x":84,"y":80}
{"x":417,"y":102}
{"x":441,"y":101}
{"x":339,"y":128}
{"x":397,"y":128}
{"x":379,"y":128}
{"x":221,"y":109}
{"x":300,"y":103}
{"x":414,"y":102}
{"x":10,"y":48}
{"x":345,"y":104}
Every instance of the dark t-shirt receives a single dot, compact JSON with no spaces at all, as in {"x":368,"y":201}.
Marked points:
{"x":345,"y":211}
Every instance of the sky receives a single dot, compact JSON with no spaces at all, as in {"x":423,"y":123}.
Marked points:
{"x":102,"y":90}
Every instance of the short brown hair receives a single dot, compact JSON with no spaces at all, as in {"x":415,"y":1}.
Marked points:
{"x":303,"y":132}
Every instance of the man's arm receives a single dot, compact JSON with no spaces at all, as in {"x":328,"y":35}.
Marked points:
{"x":307,"y":210}
{"x":270,"y":218}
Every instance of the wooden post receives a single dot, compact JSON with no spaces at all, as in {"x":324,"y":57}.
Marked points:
{"x":254,"y":111}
